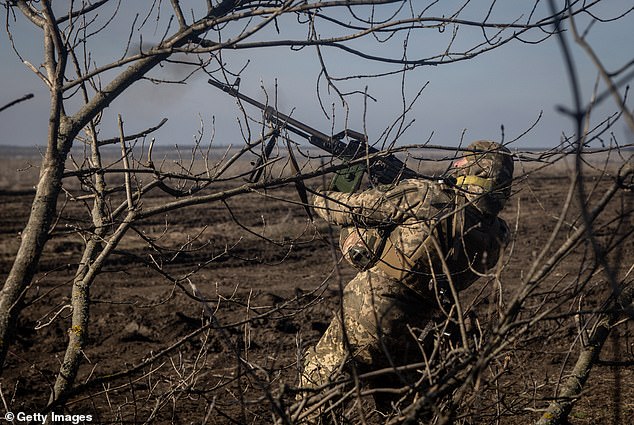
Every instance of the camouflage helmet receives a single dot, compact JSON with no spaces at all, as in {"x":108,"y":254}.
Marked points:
{"x":485,"y":173}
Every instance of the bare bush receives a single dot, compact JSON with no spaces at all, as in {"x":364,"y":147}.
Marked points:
{"x":207,"y":344}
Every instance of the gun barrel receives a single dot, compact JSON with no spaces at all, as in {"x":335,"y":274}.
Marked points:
{"x":314,"y":136}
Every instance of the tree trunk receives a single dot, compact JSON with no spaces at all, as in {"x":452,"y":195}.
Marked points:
{"x":81,"y":302}
{"x":559,"y":409}
{"x":33,"y":238}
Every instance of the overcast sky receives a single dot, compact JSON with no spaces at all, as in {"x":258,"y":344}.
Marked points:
{"x":510,"y":86}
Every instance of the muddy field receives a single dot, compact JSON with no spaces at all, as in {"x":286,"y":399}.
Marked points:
{"x":271,"y":278}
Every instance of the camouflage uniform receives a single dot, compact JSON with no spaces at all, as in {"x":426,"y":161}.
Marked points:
{"x":411,"y":242}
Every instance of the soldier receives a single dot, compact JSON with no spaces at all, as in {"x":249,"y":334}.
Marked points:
{"x":416,"y":244}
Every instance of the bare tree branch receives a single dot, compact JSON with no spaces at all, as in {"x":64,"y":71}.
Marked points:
{"x":16,"y":101}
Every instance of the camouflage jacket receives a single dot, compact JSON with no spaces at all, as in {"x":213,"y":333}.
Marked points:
{"x":418,"y":231}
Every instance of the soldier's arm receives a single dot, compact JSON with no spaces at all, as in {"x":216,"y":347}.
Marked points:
{"x":373,"y":207}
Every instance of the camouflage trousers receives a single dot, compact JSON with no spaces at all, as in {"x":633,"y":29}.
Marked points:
{"x":382,"y":319}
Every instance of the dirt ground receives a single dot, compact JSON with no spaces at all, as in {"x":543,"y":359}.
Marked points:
{"x":271,"y":297}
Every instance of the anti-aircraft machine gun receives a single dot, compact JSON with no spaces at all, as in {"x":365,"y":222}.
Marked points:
{"x":382,"y":169}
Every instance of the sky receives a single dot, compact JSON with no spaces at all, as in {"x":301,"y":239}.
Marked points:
{"x":510,"y":87}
